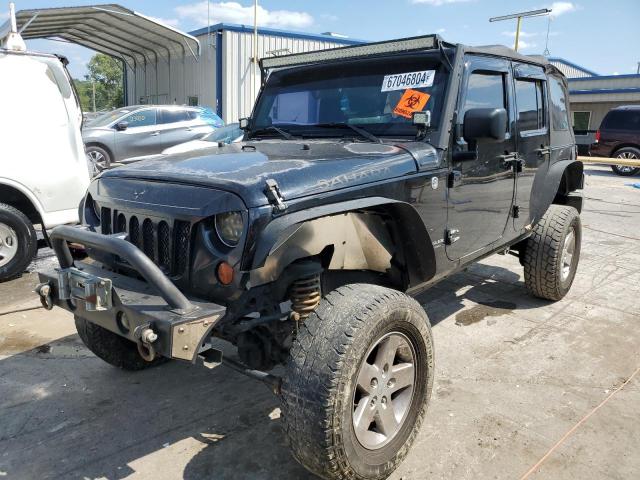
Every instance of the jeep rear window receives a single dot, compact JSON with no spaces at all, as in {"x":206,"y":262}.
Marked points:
{"x":298,"y":99}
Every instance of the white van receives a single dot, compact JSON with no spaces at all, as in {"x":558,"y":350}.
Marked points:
{"x":43,"y":167}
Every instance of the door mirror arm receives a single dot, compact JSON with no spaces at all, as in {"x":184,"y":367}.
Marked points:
{"x":464,"y":151}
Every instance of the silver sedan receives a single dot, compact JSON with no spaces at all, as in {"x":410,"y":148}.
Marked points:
{"x":144,"y":130}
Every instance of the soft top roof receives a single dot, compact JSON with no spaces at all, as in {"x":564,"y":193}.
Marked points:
{"x":503,"y":51}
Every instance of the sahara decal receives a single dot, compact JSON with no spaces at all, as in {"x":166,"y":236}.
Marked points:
{"x":352,"y":177}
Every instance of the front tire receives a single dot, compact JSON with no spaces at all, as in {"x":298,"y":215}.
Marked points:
{"x":553,"y":252}
{"x":627,"y":153}
{"x":18,"y":242}
{"x":112,"y":348}
{"x":357,"y":383}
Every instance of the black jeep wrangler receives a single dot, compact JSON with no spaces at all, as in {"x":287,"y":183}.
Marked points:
{"x":366,"y":174}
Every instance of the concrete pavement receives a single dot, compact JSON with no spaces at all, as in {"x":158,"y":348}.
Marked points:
{"x":514,"y":374}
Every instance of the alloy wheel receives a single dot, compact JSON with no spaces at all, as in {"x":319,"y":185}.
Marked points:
{"x":8,"y":244}
{"x":626,"y":156}
{"x":97,"y":159}
{"x":566,"y":260}
{"x":384,"y":391}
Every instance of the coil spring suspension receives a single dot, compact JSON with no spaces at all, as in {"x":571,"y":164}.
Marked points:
{"x":305,"y":296}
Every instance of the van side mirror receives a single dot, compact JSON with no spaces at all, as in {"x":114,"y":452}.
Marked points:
{"x":121,"y":126}
{"x":243,"y":123}
{"x":485,"y":124}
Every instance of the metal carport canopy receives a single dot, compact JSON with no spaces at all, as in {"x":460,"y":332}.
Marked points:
{"x":110,"y":29}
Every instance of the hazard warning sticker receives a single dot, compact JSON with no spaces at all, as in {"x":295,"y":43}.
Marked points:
{"x":401,"y":81}
{"x":411,"y":101}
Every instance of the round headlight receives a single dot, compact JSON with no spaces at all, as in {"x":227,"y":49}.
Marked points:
{"x":229,"y":227}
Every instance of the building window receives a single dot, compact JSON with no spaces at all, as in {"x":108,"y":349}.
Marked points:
{"x":581,"y":121}
{"x":530,"y":105}
{"x":192,"y":101}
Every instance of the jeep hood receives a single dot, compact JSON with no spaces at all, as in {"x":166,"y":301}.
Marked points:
{"x":300,"y":168}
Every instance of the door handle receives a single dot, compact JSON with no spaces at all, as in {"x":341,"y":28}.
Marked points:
{"x":155,"y":134}
{"x":543,"y":151}
{"x":508,"y":159}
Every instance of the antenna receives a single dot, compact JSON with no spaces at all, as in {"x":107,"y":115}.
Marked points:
{"x":9,"y":36}
{"x":546,"y":43}
{"x":519,"y":16}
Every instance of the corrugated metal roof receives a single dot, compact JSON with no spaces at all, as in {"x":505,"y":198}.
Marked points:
{"x":110,"y":29}
{"x":218,"y":27}
{"x":570,"y":69}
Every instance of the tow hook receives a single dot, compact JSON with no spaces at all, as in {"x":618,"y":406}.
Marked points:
{"x":145,"y":340}
{"x":44,"y":291}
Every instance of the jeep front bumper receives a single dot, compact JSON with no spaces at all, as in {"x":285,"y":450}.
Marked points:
{"x":152,"y":313}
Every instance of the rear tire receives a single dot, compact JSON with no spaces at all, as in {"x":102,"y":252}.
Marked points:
{"x":340,"y":423}
{"x":112,"y":348}
{"x":553,"y":252}
{"x":627,"y":153}
{"x":99,"y":157}
{"x":18,"y":242}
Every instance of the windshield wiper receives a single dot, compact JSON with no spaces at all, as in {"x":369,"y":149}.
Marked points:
{"x":360,"y":131}
{"x":273,"y":128}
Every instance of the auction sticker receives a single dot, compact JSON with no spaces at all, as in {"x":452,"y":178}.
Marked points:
{"x":402,"y":81}
{"x":411,"y":101}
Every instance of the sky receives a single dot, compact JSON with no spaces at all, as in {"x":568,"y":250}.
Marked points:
{"x":602,"y":36}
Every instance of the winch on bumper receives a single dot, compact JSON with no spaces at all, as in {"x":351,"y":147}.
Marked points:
{"x":154,"y":313}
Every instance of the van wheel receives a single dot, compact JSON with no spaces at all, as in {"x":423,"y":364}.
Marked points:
{"x":357,"y":382}
{"x":99,"y":157}
{"x":18,"y":242}
{"x":627,"y":153}
{"x":113,"y":349}
{"x":552,"y":253}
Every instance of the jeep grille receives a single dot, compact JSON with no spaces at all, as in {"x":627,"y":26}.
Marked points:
{"x":166,"y":242}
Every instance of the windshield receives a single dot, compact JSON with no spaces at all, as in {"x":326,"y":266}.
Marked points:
{"x":226,"y":134}
{"x":377,"y":95}
{"x":109,"y":117}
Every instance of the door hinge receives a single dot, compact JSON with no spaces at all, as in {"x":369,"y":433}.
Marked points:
{"x":453,"y":178}
{"x":451,"y":236}
{"x":272,"y":191}
{"x":515,"y":211}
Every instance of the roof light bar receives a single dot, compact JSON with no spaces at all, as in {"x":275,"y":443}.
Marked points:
{"x":427,"y":42}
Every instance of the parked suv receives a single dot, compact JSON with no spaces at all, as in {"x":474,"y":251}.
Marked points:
{"x":619,"y":137}
{"x":144,"y":130}
{"x":44,"y":173}
{"x":367,"y":173}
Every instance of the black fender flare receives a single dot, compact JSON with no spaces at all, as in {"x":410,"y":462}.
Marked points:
{"x":567,"y":174}
{"x":410,"y":233}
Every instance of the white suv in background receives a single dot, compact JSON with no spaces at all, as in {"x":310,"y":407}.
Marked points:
{"x":43,"y":167}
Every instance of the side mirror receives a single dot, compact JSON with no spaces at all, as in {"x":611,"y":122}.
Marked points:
{"x":485,"y":123}
{"x":243,"y":123}
{"x":121,"y":126}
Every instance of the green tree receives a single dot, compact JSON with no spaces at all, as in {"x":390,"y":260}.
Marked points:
{"x":83,"y":87}
{"x":105,"y":75}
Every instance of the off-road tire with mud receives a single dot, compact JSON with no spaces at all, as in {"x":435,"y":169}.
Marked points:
{"x":544,"y":262}
{"x":24,"y":234}
{"x":112,"y":348}
{"x":322,"y":378}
